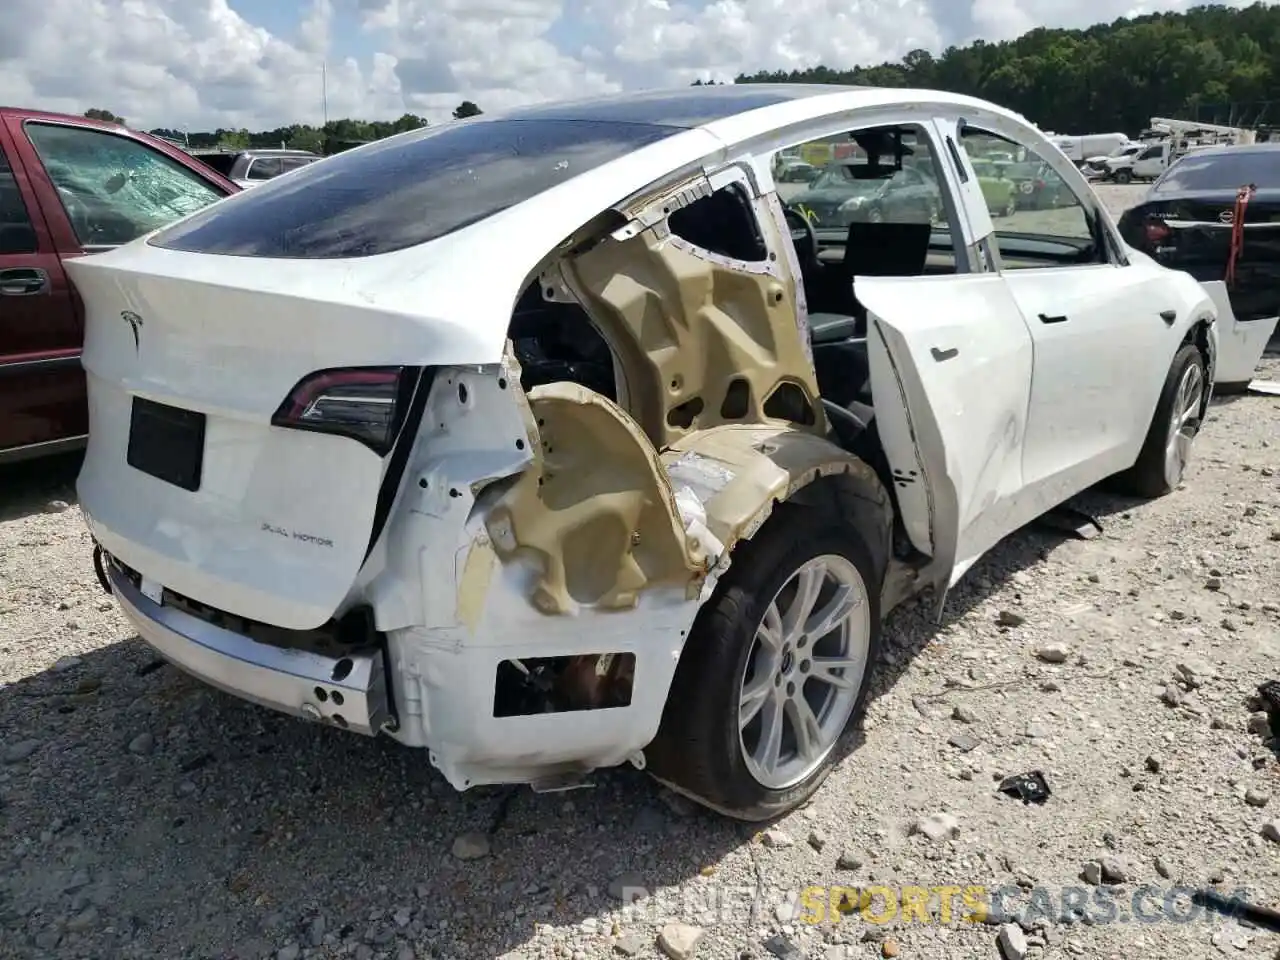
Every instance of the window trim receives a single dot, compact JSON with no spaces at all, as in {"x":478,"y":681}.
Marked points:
{"x":43,"y":172}
{"x":253,"y":162}
{"x":863,"y":119}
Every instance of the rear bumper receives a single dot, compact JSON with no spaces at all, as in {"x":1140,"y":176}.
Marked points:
{"x":348,"y":692}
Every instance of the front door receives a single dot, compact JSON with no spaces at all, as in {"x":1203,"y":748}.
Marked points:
{"x":1102,"y":348}
{"x":950,"y":376}
{"x":41,"y":382}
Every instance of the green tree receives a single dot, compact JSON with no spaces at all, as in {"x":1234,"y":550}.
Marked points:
{"x":1213,"y":64}
{"x":97,"y":113}
{"x":234,"y":139}
{"x":306,"y":138}
{"x":466,"y":109}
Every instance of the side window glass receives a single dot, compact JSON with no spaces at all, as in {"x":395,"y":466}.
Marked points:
{"x":113,"y":188}
{"x":723,"y":223}
{"x":293,"y":163}
{"x":264,"y":168}
{"x":1150,"y":153}
{"x":875,"y":199}
{"x":1038,"y":218}
{"x":844,"y":186}
{"x":17,"y":235}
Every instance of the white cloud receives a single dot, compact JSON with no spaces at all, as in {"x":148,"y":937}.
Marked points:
{"x":203,"y":64}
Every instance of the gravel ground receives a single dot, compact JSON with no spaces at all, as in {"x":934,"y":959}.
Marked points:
{"x":143,"y":815}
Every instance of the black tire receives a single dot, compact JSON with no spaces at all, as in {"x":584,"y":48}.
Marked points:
{"x":697,"y":750}
{"x":1124,"y":176}
{"x":1147,"y":477}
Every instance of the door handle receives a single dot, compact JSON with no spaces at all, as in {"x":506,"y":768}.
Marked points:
{"x":1045,"y":318}
{"x":1168,"y":316}
{"x":942,"y":355}
{"x":23,"y":282}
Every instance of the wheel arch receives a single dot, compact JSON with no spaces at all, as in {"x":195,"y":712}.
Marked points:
{"x":761,"y":468}
{"x":775,"y":479}
{"x":1200,"y":333}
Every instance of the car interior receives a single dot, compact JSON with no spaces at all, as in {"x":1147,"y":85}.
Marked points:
{"x":556,"y":341}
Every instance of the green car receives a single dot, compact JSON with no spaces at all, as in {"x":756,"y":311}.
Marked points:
{"x":999,"y":190}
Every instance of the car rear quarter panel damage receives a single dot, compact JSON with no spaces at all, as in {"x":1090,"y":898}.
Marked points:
{"x":565,"y":531}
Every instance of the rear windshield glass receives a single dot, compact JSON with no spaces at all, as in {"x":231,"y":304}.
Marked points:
{"x":406,"y":190}
{"x":1223,"y":171}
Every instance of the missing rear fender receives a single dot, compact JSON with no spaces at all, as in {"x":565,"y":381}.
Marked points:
{"x":740,"y":475}
{"x":593,"y":681}
{"x":593,"y":515}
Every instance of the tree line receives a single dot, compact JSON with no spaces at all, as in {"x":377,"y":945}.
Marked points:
{"x":1212,"y":64}
{"x":332,"y":137}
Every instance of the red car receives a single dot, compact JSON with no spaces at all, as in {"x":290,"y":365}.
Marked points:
{"x":70,"y":186}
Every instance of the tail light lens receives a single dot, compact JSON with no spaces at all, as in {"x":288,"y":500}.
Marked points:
{"x":367,"y":404}
{"x":1157,"y":231}
{"x":1040,"y":184}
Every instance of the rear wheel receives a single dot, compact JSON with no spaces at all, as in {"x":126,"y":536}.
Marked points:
{"x":1167,"y":448}
{"x":776,"y":666}
{"x":1124,"y":176}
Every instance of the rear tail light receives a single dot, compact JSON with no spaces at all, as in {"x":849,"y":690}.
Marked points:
{"x":367,"y":404}
{"x":1157,"y":231}
{"x":1040,"y":184}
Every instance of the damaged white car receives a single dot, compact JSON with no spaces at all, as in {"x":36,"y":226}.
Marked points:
{"x":554,"y":440}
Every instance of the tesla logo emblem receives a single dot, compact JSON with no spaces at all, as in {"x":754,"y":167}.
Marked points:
{"x":135,"y":324}
{"x":1226,"y":216}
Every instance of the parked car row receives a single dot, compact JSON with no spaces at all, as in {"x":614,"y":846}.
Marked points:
{"x":642,"y":488}
{"x":247,"y":168}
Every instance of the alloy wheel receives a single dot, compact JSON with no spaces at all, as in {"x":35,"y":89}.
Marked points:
{"x":804,"y":671}
{"x":1184,"y":422}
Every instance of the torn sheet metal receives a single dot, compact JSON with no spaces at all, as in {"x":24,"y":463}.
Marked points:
{"x":596,"y":516}
{"x":701,"y":476}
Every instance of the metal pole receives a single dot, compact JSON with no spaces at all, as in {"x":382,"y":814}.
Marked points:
{"x":324,"y":88}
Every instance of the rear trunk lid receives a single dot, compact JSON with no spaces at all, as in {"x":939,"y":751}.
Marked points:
{"x":189,"y":359}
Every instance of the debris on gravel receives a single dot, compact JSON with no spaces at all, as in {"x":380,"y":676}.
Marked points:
{"x":471,"y":846}
{"x":1012,"y":942}
{"x":679,"y":940}
{"x":777,"y":839}
{"x":938,"y":827}
{"x":1054,"y":653}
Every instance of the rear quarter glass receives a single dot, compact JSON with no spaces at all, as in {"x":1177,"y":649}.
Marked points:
{"x":407,"y":190}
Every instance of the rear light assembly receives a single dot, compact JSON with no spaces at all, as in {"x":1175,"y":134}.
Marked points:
{"x":1156,"y":231}
{"x":366,"y":404}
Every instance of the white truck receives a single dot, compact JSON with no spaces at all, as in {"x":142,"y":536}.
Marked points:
{"x":1079,"y":149}
{"x":1097,"y":166}
{"x":1166,"y":141}
{"x":1150,"y":163}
